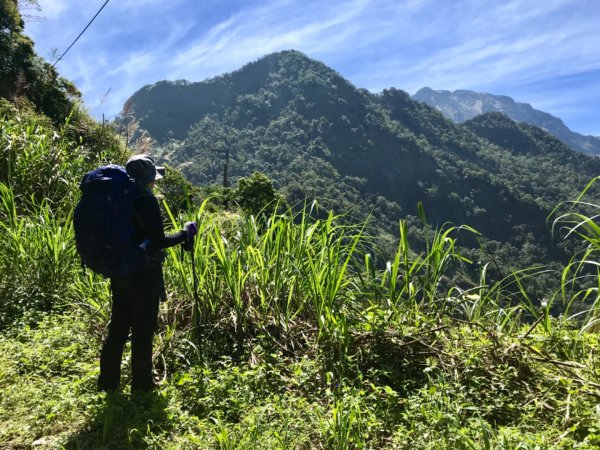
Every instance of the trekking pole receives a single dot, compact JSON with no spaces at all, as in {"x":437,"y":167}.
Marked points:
{"x":189,"y":246}
{"x":196,"y":308}
{"x":196,"y":297}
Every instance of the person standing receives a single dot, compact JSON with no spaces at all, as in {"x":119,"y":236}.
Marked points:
{"x":136,"y":298}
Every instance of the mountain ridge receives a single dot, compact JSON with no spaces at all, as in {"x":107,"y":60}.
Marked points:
{"x":461,"y":105}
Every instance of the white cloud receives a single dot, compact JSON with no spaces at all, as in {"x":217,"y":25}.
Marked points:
{"x":504,"y":53}
{"x":134,"y":64}
{"x":251,"y":33}
{"x":525,"y":10}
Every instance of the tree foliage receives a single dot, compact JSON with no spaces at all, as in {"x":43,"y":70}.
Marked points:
{"x":257,"y":196}
{"x":179,"y":194}
{"x":24,"y":75}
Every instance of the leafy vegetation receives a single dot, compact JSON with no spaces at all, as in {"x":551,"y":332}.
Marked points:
{"x":26,"y":77}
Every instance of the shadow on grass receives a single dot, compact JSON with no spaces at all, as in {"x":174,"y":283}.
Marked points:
{"x":123,"y":422}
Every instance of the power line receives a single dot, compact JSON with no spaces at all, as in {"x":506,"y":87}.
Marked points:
{"x":83,"y":31}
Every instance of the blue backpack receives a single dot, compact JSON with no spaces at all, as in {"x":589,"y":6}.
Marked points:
{"x":103,"y":222}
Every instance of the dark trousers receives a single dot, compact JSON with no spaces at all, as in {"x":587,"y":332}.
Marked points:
{"x":135,"y":302}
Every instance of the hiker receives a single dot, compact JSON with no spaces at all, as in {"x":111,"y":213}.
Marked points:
{"x":135,"y":298}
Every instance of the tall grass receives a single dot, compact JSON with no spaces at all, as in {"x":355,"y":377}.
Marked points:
{"x":39,"y":163}
{"x":37,"y":257}
{"x":277,"y":272}
{"x":291,"y":276}
{"x":580,"y":283}
{"x":40,"y":168}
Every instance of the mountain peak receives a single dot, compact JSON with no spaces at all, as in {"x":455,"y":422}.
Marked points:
{"x":262,"y":87}
{"x":273,"y":61}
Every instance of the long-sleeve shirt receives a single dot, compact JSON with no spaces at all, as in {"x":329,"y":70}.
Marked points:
{"x":148,"y":226}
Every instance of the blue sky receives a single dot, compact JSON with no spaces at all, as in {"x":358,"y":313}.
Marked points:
{"x":542,"y":52}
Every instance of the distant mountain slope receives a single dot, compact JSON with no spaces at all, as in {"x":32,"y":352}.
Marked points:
{"x":317,"y":136}
{"x":535,"y":153}
{"x":461,"y":105}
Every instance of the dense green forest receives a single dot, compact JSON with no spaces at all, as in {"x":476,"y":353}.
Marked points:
{"x":290,"y":336}
{"x":369,"y":155}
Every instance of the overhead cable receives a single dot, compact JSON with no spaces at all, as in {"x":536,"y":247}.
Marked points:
{"x":80,"y":34}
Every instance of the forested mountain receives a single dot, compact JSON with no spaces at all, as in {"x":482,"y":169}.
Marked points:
{"x":318,"y":136}
{"x":461,"y":105}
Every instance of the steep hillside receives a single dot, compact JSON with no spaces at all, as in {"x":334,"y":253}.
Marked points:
{"x":461,"y":105}
{"x":317,"y":136}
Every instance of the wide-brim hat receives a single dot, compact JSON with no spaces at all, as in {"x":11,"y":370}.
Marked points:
{"x":143,"y":169}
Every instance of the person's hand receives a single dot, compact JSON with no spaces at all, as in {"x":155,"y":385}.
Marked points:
{"x":191,"y":230}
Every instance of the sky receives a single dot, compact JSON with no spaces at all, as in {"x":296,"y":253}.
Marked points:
{"x":542,"y":52}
